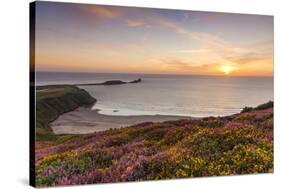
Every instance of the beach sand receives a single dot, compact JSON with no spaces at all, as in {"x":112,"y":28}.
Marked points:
{"x":84,"y":120}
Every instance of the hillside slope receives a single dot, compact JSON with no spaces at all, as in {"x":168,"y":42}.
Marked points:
{"x":237,"y":144}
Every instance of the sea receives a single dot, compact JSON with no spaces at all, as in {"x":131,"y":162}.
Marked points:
{"x":159,"y":94}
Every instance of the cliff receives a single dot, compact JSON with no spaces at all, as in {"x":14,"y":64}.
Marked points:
{"x":54,"y":100}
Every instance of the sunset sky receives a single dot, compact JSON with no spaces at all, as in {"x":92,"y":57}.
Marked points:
{"x":90,"y":38}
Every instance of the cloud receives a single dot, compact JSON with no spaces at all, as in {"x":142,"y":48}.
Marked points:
{"x":216,"y":50}
{"x":178,"y":65}
{"x":263,"y":46}
{"x":146,"y":17}
{"x":169,"y":24}
{"x":248,"y":58}
{"x":135,"y":23}
{"x":202,"y":50}
{"x":102,"y":11}
{"x":210,"y":43}
{"x":260,"y":51}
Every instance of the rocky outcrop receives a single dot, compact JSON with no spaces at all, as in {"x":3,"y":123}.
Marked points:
{"x":136,"y":81}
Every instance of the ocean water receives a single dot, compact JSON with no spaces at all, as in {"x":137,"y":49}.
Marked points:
{"x":169,"y":94}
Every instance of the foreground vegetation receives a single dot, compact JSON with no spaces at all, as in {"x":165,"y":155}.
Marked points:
{"x":237,"y":144}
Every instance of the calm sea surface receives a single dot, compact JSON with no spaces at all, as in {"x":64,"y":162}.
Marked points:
{"x":169,"y":94}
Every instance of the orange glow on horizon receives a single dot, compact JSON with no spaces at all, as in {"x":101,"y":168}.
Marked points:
{"x":227,"y":69}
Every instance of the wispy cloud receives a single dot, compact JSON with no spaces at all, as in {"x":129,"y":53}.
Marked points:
{"x":102,"y":11}
{"x":202,"y":50}
{"x":179,"y":65}
{"x":248,"y":58}
{"x":210,"y":52}
{"x":209,"y":42}
{"x":135,"y":23}
{"x":147,"y":17}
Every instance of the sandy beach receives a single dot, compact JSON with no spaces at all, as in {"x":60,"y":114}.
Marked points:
{"x":84,"y":120}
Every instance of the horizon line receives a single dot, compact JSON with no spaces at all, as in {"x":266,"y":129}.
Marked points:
{"x":171,"y":74}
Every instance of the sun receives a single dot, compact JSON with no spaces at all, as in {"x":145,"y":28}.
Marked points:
{"x":227,"y":69}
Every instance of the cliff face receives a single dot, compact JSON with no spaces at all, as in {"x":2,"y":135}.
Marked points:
{"x":52,"y":101}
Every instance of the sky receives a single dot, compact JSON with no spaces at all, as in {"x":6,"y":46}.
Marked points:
{"x":111,"y":39}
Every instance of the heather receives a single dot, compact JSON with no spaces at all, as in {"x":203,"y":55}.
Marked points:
{"x":211,"y":146}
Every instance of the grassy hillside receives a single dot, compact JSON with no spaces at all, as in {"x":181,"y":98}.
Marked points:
{"x":237,"y":144}
{"x":52,"y":101}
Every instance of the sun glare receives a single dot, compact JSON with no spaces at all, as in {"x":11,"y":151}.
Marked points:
{"x":227,"y":69}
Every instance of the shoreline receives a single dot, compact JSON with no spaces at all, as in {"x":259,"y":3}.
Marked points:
{"x":84,"y":120}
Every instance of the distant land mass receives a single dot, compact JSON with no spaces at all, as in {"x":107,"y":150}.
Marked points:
{"x":111,"y":82}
